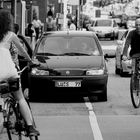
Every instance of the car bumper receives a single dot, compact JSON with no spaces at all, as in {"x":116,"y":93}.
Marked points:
{"x":45,"y":84}
{"x":105,"y":34}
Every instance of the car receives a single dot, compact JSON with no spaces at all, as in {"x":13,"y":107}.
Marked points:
{"x":105,"y":28}
{"x":69,"y":61}
{"x":122,"y":67}
{"x":131,"y":21}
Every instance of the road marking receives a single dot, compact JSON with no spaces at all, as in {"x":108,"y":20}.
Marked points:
{"x":93,"y":120}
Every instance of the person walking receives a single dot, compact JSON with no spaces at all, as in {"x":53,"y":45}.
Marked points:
{"x":72,"y":25}
{"x":30,"y":31}
{"x":37,"y":26}
{"x":7,"y":66}
{"x":50,"y":24}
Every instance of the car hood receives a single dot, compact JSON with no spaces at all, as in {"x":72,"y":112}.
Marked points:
{"x":72,"y":62}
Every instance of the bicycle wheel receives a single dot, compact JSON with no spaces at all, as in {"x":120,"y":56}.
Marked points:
{"x":135,"y":91}
{"x":12,"y":127}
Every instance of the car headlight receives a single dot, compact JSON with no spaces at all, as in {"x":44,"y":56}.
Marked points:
{"x":36,"y":71}
{"x":95,"y":72}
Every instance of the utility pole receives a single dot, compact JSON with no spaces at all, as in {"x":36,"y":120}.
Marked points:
{"x":15,"y":10}
{"x":65,"y":15}
{"x":80,"y":13}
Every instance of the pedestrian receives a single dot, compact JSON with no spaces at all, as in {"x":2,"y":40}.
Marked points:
{"x":30,"y":31}
{"x":37,"y":26}
{"x":50,"y":24}
{"x":72,"y":25}
{"x":7,"y":66}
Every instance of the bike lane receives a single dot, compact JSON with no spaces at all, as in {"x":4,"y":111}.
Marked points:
{"x":75,"y":127}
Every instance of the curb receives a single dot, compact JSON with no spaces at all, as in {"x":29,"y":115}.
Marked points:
{"x":1,"y":117}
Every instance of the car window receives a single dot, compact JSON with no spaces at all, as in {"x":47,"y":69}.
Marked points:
{"x":83,"y":45}
{"x":103,"y":23}
{"x":62,"y":45}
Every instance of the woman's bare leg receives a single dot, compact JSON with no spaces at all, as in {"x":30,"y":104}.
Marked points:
{"x":24,"y":108}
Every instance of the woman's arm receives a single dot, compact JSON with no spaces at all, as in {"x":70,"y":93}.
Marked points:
{"x":20,"y":48}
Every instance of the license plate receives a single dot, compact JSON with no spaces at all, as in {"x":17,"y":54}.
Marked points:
{"x":68,"y":83}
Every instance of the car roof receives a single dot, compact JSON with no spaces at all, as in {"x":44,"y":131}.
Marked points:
{"x":70,"y":33}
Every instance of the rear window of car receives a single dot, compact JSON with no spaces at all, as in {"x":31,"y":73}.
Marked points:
{"x":103,"y":23}
{"x":62,"y":45}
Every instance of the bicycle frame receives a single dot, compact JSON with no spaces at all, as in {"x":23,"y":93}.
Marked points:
{"x":20,"y":126}
{"x":135,"y":84}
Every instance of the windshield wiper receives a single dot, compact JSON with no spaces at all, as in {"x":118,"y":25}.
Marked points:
{"x":47,"y":54}
{"x":75,"y":54}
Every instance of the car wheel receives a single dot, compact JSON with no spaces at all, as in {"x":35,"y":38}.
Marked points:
{"x":117,"y":35}
{"x":113,"y":37}
{"x":117,"y":71}
{"x":122,"y":74}
{"x":102,"y":96}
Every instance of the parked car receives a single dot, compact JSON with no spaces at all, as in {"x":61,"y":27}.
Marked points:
{"x":105,"y":28}
{"x":122,"y":67}
{"x":70,"y":61}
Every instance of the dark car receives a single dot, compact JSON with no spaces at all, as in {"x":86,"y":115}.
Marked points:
{"x":70,"y":61}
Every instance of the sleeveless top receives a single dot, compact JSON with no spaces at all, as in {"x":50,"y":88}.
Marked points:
{"x":7,"y":66}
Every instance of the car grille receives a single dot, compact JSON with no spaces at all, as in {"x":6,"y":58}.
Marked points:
{"x":72,"y":72}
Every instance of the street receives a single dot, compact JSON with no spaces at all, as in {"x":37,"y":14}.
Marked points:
{"x":85,"y":118}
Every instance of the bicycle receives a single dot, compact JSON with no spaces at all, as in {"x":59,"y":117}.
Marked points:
{"x":12,"y":118}
{"x":135,"y":83}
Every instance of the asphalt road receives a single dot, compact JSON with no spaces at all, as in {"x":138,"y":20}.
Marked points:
{"x":85,"y":118}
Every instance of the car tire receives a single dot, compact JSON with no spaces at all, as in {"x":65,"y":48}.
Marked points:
{"x":102,"y":96}
{"x":117,"y":71}
{"x":122,"y":74}
{"x":113,"y":37}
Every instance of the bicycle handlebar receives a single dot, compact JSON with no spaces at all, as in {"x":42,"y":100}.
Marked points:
{"x":31,"y":65}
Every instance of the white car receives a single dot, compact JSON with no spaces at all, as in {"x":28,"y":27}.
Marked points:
{"x":122,"y":67}
{"x":107,"y":28}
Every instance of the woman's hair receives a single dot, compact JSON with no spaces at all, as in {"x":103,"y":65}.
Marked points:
{"x":5,"y":23}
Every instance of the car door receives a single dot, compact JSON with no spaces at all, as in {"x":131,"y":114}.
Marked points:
{"x":23,"y":62}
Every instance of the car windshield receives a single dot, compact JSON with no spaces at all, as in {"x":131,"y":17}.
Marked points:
{"x":72,"y":46}
{"x":103,"y":23}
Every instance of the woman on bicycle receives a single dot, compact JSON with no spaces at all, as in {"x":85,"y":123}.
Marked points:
{"x":7,"y":36}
